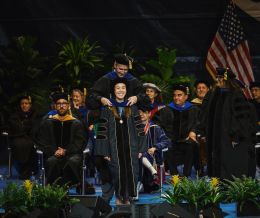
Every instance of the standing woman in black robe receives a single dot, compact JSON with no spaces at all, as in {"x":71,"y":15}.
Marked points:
{"x":230,"y":133}
{"x":120,"y":140}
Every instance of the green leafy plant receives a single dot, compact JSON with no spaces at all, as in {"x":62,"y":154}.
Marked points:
{"x":15,"y":199}
{"x":174,"y":194}
{"x":22,"y":69}
{"x":76,"y":57}
{"x":242,"y":190}
{"x":51,"y":196}
{"x":164,"y":75}
{"x":200,"y":193}
{"x":21,"y":199}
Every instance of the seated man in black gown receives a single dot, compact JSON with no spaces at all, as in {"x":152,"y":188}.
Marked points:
{"x":62,"y":138}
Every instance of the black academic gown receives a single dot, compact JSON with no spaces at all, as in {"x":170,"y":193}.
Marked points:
{"x":183,"y":120}
{"x":228,"y":117}
{"x":22,"y":127}
{"x":121,"y":139}
{"x":256,"y":105}
{"x":103,"y":87}
{"x":69,"y":135}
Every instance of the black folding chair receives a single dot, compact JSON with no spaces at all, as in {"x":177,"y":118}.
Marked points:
{"x":42,"y":177}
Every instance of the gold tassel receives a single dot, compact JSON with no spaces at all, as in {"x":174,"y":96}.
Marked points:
{"x":225,"y":75}
{"x":62,"y":89}
{"x":70,"y":113}
{"x":30,"y":99}
{"x":85,"y":92}
{"x":130,"y":65}
{"x":187,"y":90}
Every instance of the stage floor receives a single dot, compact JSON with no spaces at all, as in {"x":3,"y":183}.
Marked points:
{"x":144,"y":199}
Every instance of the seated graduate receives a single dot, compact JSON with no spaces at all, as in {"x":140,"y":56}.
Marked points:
{"x":22,"y":126}
{"x":158,"y":107}
{"x":78,"y":107}
{"x":156,"y":141}
{"x":120,"y":140}
{"x":81,"y":112}
{"x":62,"y":139}
{"x":160,"y":112}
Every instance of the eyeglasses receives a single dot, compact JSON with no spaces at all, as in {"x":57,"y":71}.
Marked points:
{"x":62,"y":104}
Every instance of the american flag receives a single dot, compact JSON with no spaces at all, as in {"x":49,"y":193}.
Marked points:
{"x":230,"y":48}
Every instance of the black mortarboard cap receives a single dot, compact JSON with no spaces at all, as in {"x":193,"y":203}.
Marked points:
{"x":124,"y":59}
{"x":54,"y":90}
{"x":225,"y":72}
{"x":60,"y":95}
{"x":255,"y":84}
{"x":25,"y":96}
{"x":201,"y":81}
{"x":118,"y":80}
{"x":144,"y":104}
{"x":183,"y":87}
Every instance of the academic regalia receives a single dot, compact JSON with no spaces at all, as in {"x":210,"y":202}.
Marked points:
{"x":229,"y":123}
{"x":68,"y":134}
{"x":22,"y":126}
{"x":200,"y":158}
{"x":103,"y":87}
{"x":257,"y":107}
{"x":121,"y":138}
{"x":160,"y":114}
{"x":184,"y":120}
{"x":155,"y":137}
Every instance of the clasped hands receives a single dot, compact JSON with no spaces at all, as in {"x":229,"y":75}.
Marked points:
{"x":60,"y":152}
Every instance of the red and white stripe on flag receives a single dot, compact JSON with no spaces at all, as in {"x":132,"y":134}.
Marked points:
{"x":230,"y":49}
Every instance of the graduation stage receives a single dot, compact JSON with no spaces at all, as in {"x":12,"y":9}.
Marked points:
{"x":148,"y":205}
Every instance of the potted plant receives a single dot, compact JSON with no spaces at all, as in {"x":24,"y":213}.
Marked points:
{"x":23,"y":69}
{"x":246,"y":192}
{"x":162,"y":72}
{"x":33,"y":200}
{"x":76,"y":57}
{"x":200,"y":196}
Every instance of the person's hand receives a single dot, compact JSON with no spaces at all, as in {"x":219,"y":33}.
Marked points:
{"x":139,"y":155}
{"x":192,"y":136}
{"x":75,"y":105}
{"x":201,"y":139}
{"x":131,"y":100}
{"x":107,"y":158}
{"x":60,"y":152}
{"x":106,"y":102}
{"x":151,"y":150}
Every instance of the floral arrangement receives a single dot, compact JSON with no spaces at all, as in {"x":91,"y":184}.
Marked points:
{"x":242,"y":190}
{"x":200,"y":193}
{"x":22,"y":199}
